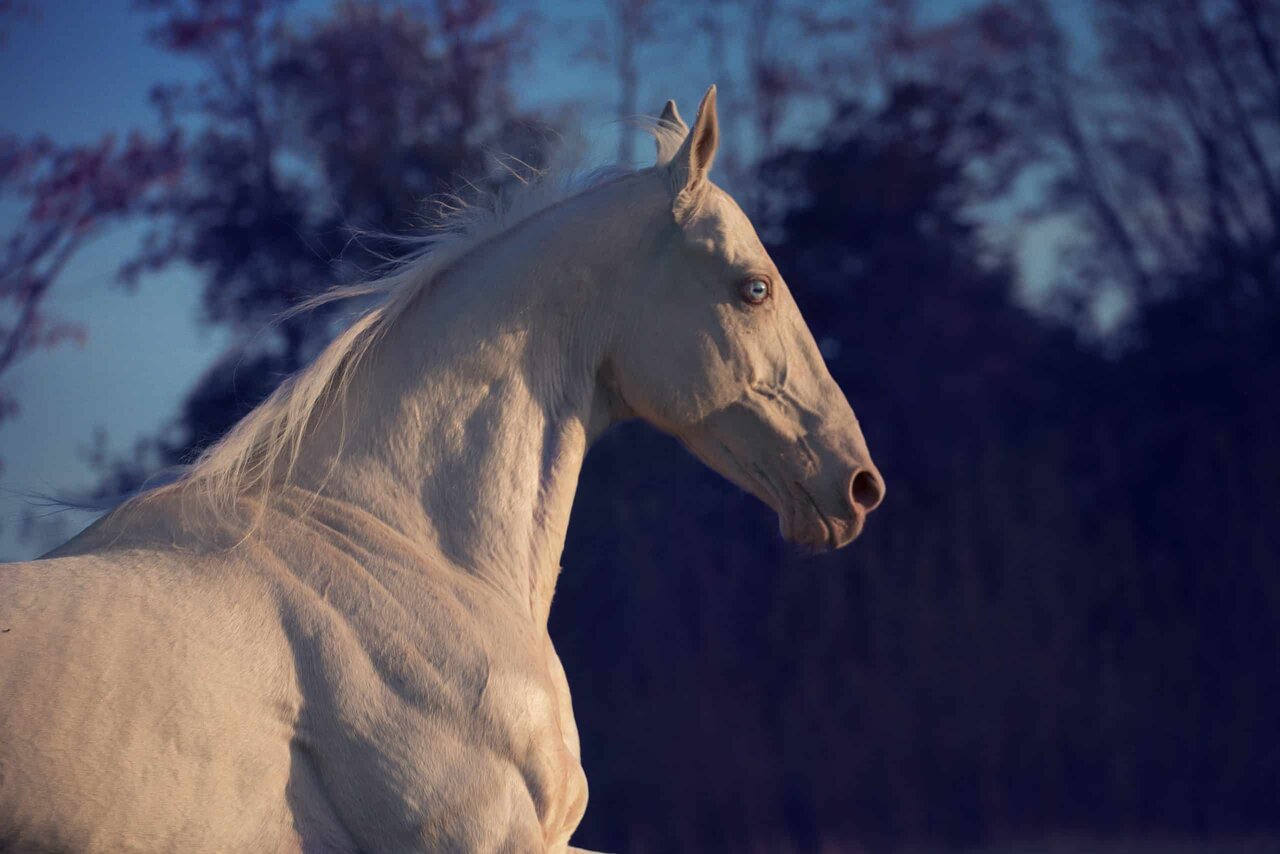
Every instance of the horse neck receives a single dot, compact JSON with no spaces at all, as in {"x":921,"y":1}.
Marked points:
{"x":467,"y":423}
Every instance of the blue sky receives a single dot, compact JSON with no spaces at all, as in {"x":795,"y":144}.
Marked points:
{"x":83,"y":68}
{"x":79,"y":70}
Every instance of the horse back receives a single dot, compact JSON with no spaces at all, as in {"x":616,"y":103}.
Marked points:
{"x":124,"y":678}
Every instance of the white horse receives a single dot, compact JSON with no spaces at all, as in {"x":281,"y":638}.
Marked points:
{"x":331,"y":634}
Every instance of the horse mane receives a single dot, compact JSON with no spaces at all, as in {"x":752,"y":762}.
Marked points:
{"x":262,"y":449}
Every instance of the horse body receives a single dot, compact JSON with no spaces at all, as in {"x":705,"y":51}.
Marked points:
{"x":316,"y":654}
{"x":332,"y":635}
{"x":126,"y":675}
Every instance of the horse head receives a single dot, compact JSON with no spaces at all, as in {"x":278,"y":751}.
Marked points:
{"x":714,"y":351}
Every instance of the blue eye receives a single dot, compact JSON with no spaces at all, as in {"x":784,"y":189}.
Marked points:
{"x":755,"y":290}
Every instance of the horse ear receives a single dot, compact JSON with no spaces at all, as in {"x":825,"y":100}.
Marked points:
{"x":692,"y":162}
{"x":671,"y":118}
{"x":669,"y":133}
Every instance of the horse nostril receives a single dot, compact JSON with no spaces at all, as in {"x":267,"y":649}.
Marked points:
{"x":867,"y":490}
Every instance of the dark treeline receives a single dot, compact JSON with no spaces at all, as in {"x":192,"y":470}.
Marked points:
{"x":1063,"y":618}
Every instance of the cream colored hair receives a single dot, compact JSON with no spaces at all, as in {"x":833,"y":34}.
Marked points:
{"x":262,"y":449}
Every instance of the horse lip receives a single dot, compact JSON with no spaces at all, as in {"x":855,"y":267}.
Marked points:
{"x":753,"y":477}
{"x":827,"y":526}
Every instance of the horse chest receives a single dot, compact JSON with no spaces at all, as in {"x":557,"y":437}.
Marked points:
{"x":448,"y":734}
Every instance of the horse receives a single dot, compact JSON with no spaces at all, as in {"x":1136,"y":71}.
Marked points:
{"x":330,"y":633}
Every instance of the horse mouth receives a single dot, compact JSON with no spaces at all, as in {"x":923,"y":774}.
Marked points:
{"x":820,"y":531}
{"x":801,"y":518}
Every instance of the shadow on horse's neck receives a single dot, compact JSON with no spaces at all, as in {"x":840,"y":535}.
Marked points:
{"x":466,"y":425}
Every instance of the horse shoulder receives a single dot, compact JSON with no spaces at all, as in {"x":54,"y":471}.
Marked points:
{"x":430,"y":711}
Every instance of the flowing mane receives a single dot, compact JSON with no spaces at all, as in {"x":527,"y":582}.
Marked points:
{"x":263,"y":447}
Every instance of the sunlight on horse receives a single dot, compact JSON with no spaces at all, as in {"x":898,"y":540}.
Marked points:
{"x":331,"y":633}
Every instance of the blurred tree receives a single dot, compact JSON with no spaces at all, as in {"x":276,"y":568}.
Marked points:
{"x":69,"y":195}
{"x":62,"y":197}
{"x":301,"y":135}
{"x":1162,"y":143}
{"x":72,"y":194}
{"x":615,"y":42}
{"x":10,"y":9}
{"x":771,"y":84}
{"x":1194,"y":142}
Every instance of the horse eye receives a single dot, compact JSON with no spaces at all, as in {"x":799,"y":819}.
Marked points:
{"x":755,"y":291}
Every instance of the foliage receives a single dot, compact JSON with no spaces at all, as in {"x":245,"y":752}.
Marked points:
{"x":69,"y":195}
{"x":311,"y":145}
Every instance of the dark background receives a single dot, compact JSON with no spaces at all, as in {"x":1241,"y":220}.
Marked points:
{"x":1040,"y":248}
